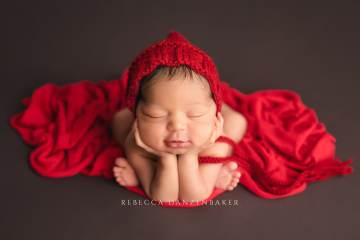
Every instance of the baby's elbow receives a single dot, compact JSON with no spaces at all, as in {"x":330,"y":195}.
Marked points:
{"x":238,"y":127}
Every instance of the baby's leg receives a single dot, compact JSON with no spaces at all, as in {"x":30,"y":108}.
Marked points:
{"x":165,"y":184}
{"x":197,"y":181}
{"x":159,"y":179}
{"x":228,"y":177}
{"x":217,"y":175}
{"x":192,"y":185}
{"x":124,"y":173}
{"x":220,"y":175}
{"x":224,"y":176}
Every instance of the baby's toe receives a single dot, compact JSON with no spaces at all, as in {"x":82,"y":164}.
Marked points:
{"x":232,"y":165}
{"x":117,"y":173}
{"x":117,"y":170}
{"x":237,"y":175}
{"x":235,"y":180}
{"x":121,"y":180}
{"x":121,"y":162}
{"x":235,"y":183}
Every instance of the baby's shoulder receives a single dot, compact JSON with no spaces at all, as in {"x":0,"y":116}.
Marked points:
{"x":123,"y":115}
{"x":232,"y":114}
{"x":235,"y":124}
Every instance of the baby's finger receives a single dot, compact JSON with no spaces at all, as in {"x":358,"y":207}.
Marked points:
{"x":221,"y":120}
{"x":138,"y":139}
{"x":221,"y":124}
{"x":214,"y":134}
{"x":135,"y":126}
{"x":217,"y":127}
{"x":140,"y":143}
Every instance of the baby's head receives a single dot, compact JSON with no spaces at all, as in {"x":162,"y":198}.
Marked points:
{"x":174,"y":91}
{"x":175,"y":103}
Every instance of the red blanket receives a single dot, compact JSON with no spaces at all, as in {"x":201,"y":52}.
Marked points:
{"x":285,"y":146}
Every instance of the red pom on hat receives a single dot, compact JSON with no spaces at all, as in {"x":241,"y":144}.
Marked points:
{"x":173,"y":51}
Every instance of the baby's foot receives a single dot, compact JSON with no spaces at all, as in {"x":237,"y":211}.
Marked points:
{"x":228,"y":177}
{"x":124,"y":173}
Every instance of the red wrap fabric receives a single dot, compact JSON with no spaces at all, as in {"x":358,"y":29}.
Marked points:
{"x":285,"y":146}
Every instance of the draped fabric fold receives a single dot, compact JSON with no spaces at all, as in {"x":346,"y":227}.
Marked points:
{"x":285,"y":146}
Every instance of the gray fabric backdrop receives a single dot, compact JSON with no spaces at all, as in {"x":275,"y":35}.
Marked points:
{"x":310,"y":47}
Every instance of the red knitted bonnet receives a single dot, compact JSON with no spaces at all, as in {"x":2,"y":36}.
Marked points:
{"x":173,"y":51}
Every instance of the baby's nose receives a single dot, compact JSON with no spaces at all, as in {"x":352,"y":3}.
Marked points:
{"x":177,"y":124}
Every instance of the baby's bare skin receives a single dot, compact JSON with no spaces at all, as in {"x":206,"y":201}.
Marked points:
{"x":160,"y":177}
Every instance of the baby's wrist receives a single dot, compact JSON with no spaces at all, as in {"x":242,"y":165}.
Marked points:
{"x":189,"y":156}
{"x":169,"y":159}
{"x":188,"y":161}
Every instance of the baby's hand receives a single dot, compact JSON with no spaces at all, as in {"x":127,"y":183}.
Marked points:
{"x":141,"y":144}
{"x":217,"y":132}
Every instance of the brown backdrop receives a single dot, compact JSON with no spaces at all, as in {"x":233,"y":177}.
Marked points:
{"x":312,"y":48}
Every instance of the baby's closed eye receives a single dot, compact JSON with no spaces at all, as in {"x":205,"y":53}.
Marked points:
{"x":157,"y":114}
{"x":196,"y":114}
{"x":154,"y":115}
{"x":191,"y":115}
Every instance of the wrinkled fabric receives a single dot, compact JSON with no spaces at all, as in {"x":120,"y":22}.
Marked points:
{"x":285,"y":146}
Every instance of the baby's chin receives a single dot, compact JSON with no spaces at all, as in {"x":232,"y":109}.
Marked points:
{"x":171,"y":150}
{"x":176,"y":151}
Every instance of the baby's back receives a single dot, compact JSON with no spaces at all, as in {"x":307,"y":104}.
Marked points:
{"x":122,"y":124}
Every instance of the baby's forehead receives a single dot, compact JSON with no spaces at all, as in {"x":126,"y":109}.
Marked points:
{"x":186,"y":103}
{"x":196,"y":83}
{"x":194,"y":89}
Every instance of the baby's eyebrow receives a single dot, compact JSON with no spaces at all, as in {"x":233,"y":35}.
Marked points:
{"x":199,"y":103}
{"x":149,"y":103}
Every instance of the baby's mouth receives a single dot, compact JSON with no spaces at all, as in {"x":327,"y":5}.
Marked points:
{"x":177,"y":144}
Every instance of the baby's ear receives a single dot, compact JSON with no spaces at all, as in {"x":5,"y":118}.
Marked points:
{"x":220,"y":119}
{"x":219,"y":116}
{"x":216,"y":119}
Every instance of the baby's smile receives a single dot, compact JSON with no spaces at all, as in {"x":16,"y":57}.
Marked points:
{"x":178,"y":144}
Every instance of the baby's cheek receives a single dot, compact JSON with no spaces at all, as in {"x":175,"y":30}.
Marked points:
{"x":152,"y":134}
{"x":200,"y":133}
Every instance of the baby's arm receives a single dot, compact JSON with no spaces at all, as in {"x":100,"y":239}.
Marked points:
{"x":192,"y":185}
{"x":197,"y":181}
{"x":165,"y":185}
{"x":159,"y":178}
{"x":210,"y":171}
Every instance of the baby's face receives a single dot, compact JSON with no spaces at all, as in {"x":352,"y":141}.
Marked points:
{"x":176,"y":110}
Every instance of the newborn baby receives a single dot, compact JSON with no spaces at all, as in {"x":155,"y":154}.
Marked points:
{"x":175,"y":123}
